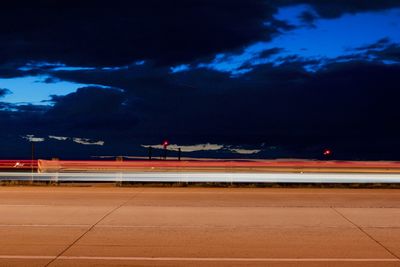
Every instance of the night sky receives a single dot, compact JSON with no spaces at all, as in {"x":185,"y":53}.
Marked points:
{"x":220,"y":79}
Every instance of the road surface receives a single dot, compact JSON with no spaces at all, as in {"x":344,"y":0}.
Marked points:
{"x":111,"y":226}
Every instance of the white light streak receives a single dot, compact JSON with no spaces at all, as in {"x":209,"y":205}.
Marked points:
{"x":32,"y":138}
{"x":59,"y":138}
{"x":226,"y":177}
{"x":87,"y":141}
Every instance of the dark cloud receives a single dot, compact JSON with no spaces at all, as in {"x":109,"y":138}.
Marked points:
{"x":269,"y":52}
{"x":9,"y":70}
{"x":4,"y":91}
{"x":12,"y":69}
{"x":90,"y":109}
{"x":30,"y":108}
{"x":390,"y":53}
{"x":106,"y":33}
{"x":336,"y":8}
{"x":350,"y":106}
{"x":308,"y":18}
{"x":281,"y":25}
{"x":382,"y":50}
{"x":380,"y":44}
{"x":115,"y":33}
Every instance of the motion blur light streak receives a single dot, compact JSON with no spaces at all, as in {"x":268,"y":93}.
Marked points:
{"x":205,"y":165}
{"x":209,"y":171}
{"x":224,"y":177}
{"x":18,"y":164}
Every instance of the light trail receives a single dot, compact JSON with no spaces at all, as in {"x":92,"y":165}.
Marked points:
{"x":250,"y":166}
{"x":205,"y":177}
{"x":18,"y":164}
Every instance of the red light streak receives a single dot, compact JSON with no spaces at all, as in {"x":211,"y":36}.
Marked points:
{"x":201,"y":165}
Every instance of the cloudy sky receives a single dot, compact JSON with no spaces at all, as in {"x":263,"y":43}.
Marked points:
{"x":226,"y":78}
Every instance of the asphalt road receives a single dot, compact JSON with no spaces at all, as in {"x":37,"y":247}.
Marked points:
{"x":108,"y":226}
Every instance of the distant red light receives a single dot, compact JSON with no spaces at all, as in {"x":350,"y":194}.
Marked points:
{"x":165,"y":143}
{"x":327,"y":152}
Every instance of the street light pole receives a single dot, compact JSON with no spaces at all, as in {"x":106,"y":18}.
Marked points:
{"x":32,"y":158}
{"x":165,"y":145}
{"x":150,"y":152}
{"x":165,"y":152}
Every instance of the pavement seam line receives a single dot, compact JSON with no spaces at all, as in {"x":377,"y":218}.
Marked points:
{"x":196,"y":259}
{"x":91,"y":227}
{"x":366,"y":233}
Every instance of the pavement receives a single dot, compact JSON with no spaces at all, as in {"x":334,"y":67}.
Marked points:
{"x":145,"y":226}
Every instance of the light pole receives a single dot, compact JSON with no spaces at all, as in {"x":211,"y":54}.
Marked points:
{"x":32,"y":139}
{"x":150,"y":152}
{"x":32,"y":156}
{"x":165,"y":145}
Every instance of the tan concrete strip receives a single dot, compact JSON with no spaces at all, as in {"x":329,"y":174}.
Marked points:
{"x":367,"y":234}
{"x":389,"y":237}
{"x":202,"y":259}
{"x":90,"y":228}
{"x":192,"y":226}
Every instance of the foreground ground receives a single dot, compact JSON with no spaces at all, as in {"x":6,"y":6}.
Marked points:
{"x":109,"y":226}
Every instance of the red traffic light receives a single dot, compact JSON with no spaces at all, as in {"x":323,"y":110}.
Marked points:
{"x":165,"y":143}
{"x":327,"y":152}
